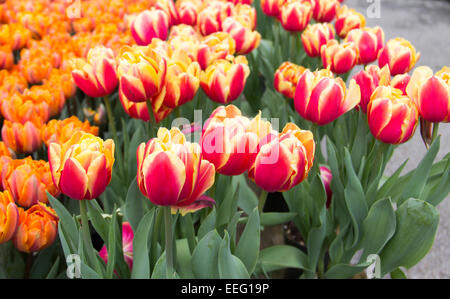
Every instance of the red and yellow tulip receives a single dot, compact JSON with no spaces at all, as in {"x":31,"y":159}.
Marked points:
{"x":81,"y":168}
{"x":368,"y":80}
{"x":340,"y":58}
{"x":127,"y":246}
{"x":325,"y":10}
{"x":392,"y":116}
{"x":399,"y":55}
{"x":245,"y":39}
{"x":295,"y":15}
{"x":286,"y":78}
{"x":315,"y":36}
{"x":369,"y":42}
{"x":215,"y":46}
{"x":148,"y":25}
{"x":172,"y":172}
{"x":348,"y":19}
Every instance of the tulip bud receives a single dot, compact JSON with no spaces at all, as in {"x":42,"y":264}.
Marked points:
{"x":150,"y":24}
{"x":21,"y":138}
{"x":97,"y":77}
{"x":171,"y":171}
{"x":340,"y":58}
{"x":142,"y":74}
{"x":210,"y":18}
{"x":315,"y":36}
{"x":325,"y":10}
{"x":348,"y":19}
{"x":286,"y":78}
{"x":127,"y":246}
{"x":81,"y":168}
{"x":392,"y":116}
{"x":224,"y":80}
{"x":369,"y":42}
{"x":326,"y":176}
{"x":37,"y":228}
{"x":399,"y":55}
{"x":295,"y":15}
{"x":226,"y":142}
{"x":245,"y":39}
{"x":283,"y":160}
{"x":321,"y":99}
{"x":272,"y":7}
{"x":368,"y":80}
{"x":9,"y":214}
{"x":215,"y":46}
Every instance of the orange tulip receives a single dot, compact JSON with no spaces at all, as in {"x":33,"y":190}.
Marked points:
{"x":9,"y":217}
{"x":21,"y":138}
{"x":224,"y":80}
{"x":37,"y":228}
{"x":315,"y":36}
{"x":399,"y":55}
{"x":284,"y":159}
{"x":172,"y":172}
{"x":431,"y":93}
{"x":81,"y":168}
{"x":392,"y":116}
{"x":321,"y":98}
{"x":6,"y":57}
{"x":60,"y":131}
{"x":286,"y":78}
{"x":22,"y":108}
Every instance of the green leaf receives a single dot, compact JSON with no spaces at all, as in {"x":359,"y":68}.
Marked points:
{"x":141,"y":269}
{"x":66,"y":222}
{"x":390,"y":182}
{"x":87,"y":272}
{"x":378,"y":227}
{"x":276,"y":218}
{"x":419,"y":177}
{"x":54,"y":269}
{"x":247,"y":198}
{"x":111,"y":246}
{"x":398,"y":274}
{"x":159,"y":272}
{"x":248,"y":247}
{"x":205,"y":256}
{"x":183,"y":261}
{"x":99,"y":223}
{"x":345,"y":270}
{"x":135,"y":205}
{"x":417,"y":223}
{"x":230,"y":266}
{"x":207,"y":225}
{"x":282,"y":256}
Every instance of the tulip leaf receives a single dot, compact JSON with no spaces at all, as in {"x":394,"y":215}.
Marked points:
{"x":53,"y":270}
{"x":390,"y":182}
{"x":273,"y":218}
{"x":419,"y":178}
{"x":230,"y":266}
{"x":398,"y":274}
{"x":247,"y":198}
{"x":378,"y":227}
{"x":66,"y":222}
{"x":231,"y":228}
{"x":205,"y":256}
{"x":111,"y":245}
{"x":99,"y":223}
{"x":137,"y":138}
{"x":282,"y":256}
{"x":141,"y":266}
{"x":207,"y":225}
{"x":346,"y":270}
{"x":87,"y":272}
{"x":441,"y":190}
{"x":247,"y":249}
{"x":417,"y":223}
{"x":159,"y":272}
{"x":135,"y":205}
{"x":183,"y":261}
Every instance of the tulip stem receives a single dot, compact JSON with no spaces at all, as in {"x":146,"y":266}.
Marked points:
{"x":87,"y":242}
{"x":435,"y":132}
{"x":169,"y":241}
{"x":262,"y":200}
{"x":111,"y":120}
{"x":152,"y":120}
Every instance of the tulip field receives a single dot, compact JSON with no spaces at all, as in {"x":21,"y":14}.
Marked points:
{"x":172,"y":138}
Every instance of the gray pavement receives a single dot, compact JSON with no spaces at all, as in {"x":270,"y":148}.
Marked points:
{"x":426,"y":24}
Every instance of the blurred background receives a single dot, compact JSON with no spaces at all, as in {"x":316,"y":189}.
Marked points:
{"x":426,"y":24}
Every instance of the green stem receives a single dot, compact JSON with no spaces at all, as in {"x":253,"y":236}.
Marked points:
{"x":111,"y":120}
{"x":169,"y":242}
{"x":152,"y":120}
{"x":87,"y":242}
{"x":262,"y":200}
{"x":435,"y":132}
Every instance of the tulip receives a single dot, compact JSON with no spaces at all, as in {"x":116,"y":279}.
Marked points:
{"x":81,"y":168}
{"x":348,"y":19}
{"x":226,"y":142}
{"x":400,"y":82}
{"x":215,"y":46}
{"x":60,"y":131}
{"x":21,"y":138}
{"x":286,"y":78}
{"x":315,"y":36}
{"x":172,"y":172}
{"x":246,"y":40}
{"x":392,"y":116}
{"x":369,"y":42}
{"x":127,"y":246}
{"x":37,"y":228}
{"x":246,"y":14}
{"x":340,"y":58}
{"x":28,"y":181}
{"x":6,"y":57}
{"x":321,"y":99}
{"x":9,"y":215}
{"x":283,"y":160}
{"x":272,"y":7}
{"x":150,"y":24}
{"x":399,"y":55}
{"x":35,"y":65}
{"x":326,"y":176}
{"x":295,"y":15}
{"x":168,"y":6}
{"x":21,"y":108}
{"x":368,"y":80}
{"x":188,"y":11}
{"x":431,"y":93}
{"x":5,"y":151}
{"x":97,"y":77}
{"x":224,"y":80}
{"x":325,"y":10}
